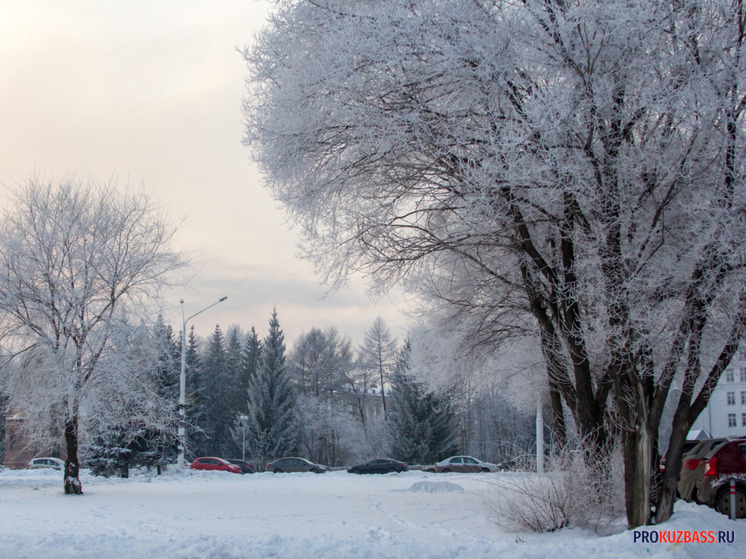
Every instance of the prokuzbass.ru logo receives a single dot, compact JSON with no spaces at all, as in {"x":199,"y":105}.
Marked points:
{"x":684,"y":536}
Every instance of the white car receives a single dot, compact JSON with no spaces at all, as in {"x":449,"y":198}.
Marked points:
{"x":46,"y":462}
{"x":463,"y":464}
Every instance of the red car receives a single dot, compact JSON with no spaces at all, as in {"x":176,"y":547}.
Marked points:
{"x":213,"y":463}
{"x":725,"y":463}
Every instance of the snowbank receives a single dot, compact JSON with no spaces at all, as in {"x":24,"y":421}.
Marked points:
{"x":218,"y":515}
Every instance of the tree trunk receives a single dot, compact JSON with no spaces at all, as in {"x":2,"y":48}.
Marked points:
{"x":558,"y":417}
{"x":637,"y":474}
{"x":72,"y":467}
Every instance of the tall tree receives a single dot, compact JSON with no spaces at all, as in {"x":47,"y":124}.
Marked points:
{"x":378,"y":353}
{"x":574,"y":169}
{"x":77,"y":260}
{"x":167,"y":379}
{"x":216,"y":386}
{"x":196,"y":398}
{"x":271,"y":427}
{"x":251,"y":352}
{"x":422,"y":424}
{"x":238,"y":383}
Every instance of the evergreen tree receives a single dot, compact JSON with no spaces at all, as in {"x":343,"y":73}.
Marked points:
{"x":195,"y":397}
{"x":246,"y":372}
{"x":216,"y":385}
{"x":271,"y":428}
{"x":109,"y":454}
{"x":250,"y":363}
{"x":129,"y":441}
{"x":238,"y":383}
{"x":422,"y":425}
{"x":167,"y":382}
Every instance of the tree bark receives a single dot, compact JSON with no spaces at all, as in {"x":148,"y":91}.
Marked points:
{"x":637,"y":470}
{"x":72,"y":467}
{"x":558,"y":416}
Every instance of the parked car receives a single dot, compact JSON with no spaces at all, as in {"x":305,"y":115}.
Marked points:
{"x":463,"y":464}
{"x":46,"y":462}
{"x":293,"y":464}
{"x":693,"y":467}
{"x":379,"y":466}
{"x":688,"y":446}
{"x":214,"y":463}
{"x":723,"y":464}
{"x":246,"y":468}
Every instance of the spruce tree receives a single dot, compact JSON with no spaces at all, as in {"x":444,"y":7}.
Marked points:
{"x":272,"y":430}
{"x":421,"y":424}
{"x":216,"y":386}
{"x":250,"y":360}
{"x":167,"y":383}
{"x":236,"y":389}
{"x":195,"y":398}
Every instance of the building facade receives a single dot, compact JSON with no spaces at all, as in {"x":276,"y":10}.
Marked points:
{"x":725,"y":415}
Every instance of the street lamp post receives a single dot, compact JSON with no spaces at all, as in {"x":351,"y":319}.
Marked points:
{"x":244,"y":422}
{"x":182,"y":379}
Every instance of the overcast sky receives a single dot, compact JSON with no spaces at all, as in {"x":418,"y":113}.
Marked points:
{"x":148,"y":93}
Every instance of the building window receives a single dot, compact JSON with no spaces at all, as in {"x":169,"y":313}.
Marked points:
{"x":743,"y":397}
{"x":731,"y":398}
{"x":743,"y":420}
{"x":729,"y":376}
{"x":731,"y":420}
{"x":742,"y":374}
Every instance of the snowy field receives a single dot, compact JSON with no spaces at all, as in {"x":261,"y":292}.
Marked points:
{"x":217,"y":515}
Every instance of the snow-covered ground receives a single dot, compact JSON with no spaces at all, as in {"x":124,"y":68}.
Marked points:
{"x":336,"y":515}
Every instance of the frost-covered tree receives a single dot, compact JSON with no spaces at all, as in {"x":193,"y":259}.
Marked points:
{"x":251,"y":352}
{"x":77,"y":261}
{"x":422,"y":424}
{"x":237,"y":375}
{"x":569,"y":169}
{"x":217,"y":386}
{"x":249,"y":364}
{"x":318,"y":364}
{"x":196,"y":402}
{"x":378,"y":353}
{"x":318,"y":361}
{"x":271,"y":428}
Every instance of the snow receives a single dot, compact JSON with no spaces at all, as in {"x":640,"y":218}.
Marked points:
{"x":217,"y":515}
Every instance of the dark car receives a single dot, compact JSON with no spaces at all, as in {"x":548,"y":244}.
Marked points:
{"x":693,"y":467}
{"x":379,"y":466}
{"x":726,"y":463}
{"x":214,"y":463}
{"x":246,"y":468}
{"x":293,"y":464}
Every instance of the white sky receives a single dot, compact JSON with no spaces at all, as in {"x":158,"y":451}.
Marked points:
{"x":148,"y":93}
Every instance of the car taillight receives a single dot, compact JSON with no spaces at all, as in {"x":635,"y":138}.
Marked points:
{"x":692,"y":464}
{"x":711,"y":468}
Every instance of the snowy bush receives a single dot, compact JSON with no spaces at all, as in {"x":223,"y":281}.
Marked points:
{"x":576,"y":491}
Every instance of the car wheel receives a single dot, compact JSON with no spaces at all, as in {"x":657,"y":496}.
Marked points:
{"x":278,"y":470}
{"x":722,"y":502}
{"x":315,"y":470}
{"x":446,"y":470}
{"x":354,"y":471}
{"x":486,"y":470}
